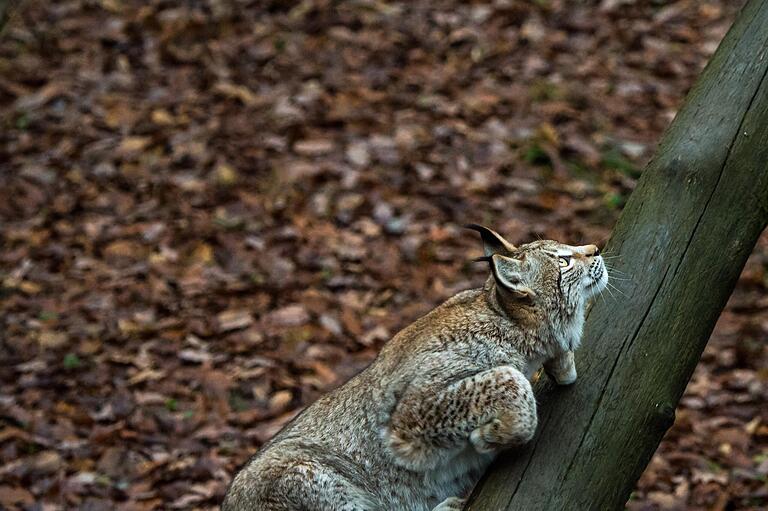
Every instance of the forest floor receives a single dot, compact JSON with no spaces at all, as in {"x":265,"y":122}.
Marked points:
{"x":212,"y":212}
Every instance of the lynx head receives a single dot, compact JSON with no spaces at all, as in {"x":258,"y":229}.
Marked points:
{"x":546,"y":276}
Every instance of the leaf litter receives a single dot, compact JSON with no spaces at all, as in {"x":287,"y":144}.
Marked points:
{"x":214,"y":212}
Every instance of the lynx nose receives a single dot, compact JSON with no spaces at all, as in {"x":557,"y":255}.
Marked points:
{"x":592,"y":250}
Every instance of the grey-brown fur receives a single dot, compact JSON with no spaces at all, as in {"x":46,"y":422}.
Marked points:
{"x":416,"y":429}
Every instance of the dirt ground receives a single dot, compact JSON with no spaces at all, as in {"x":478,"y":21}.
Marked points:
{"x":212,"y":212}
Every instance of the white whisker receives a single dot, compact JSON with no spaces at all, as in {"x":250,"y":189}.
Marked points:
{"x":611,"y":286}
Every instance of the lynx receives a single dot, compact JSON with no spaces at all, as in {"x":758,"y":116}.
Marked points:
{"x":415,"y":430}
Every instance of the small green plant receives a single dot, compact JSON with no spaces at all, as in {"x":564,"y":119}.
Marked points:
{"x":613,"y":159}
{"x":48,"y":316}
{"x":172,"y":404}
{"x":581,"y":170}
{"x":544,"y":90}
{"x":326,"y":274}
{"x":22,"y":122}
{"x":72,"y":361}
{"x":714,"y":466}
{"x":237,"y":401}
{"x":535,"y":155}
{"x":614,"y":200}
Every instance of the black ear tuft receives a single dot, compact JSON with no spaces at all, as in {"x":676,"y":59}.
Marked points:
{"x":493,"y":242}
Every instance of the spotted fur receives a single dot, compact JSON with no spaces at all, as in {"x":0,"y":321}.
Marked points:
{"x":416,"y":429}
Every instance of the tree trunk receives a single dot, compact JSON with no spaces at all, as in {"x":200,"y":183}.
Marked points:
{"x":682,"y":241}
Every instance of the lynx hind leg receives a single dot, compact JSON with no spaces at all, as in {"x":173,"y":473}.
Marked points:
{"x":514,"y":422}
{"x":301,"y":484}
{"x":450,"y":504}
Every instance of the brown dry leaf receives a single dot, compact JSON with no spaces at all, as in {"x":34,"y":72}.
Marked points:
{"x":195,"y":356}
{"x":29,"y":287}
{"x":665,"y":501}
{"x":239,"y":92}
{"x":133,"y":145}
{"x":705,"y":477}
{"x":41,"y":97}
{"x":288,"y":316}
{"x":351,"y":322}
{"x":52,"y":340}
{"x":126,"y":249}
{"x":146,"y":375}
{"x":46,"y":462}
{"x":234,"y":320}
{"x":225,"y":174}
{"x":120,"y":114}
{"x":313,"y":147}
{"x":11,"y":497}
{"x":280,"y":400}
{"x":162,"y":117}
{"x":203,"y":253}
{"x":549,"y":134}
{"x":376,"y":334}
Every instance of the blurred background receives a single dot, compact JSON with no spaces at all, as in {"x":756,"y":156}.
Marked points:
{"x":213,"y":211}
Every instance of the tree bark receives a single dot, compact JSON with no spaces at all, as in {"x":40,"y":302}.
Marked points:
{"x":682,"y":241}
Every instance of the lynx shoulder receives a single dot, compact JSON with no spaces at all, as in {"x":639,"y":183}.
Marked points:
{"x":417,"y":428}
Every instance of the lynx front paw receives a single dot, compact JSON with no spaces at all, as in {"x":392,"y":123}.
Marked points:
{"x":480,"y":440}
{"x":450,"y":504}
{"x":566,"y":377}
{"x":501,"y":433}
{"x":562,"y":368}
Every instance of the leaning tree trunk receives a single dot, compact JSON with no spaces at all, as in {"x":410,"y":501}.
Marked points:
{"x":682,"y":240}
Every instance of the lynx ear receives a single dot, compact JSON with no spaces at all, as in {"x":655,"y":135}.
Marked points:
{"x":508,"y":273}
{"x":493,"y":243}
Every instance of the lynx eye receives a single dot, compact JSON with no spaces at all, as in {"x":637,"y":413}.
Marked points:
{"x":565,"y":262}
